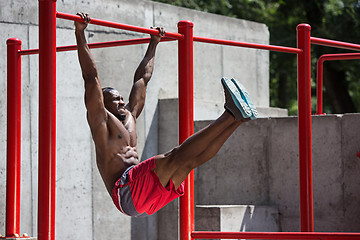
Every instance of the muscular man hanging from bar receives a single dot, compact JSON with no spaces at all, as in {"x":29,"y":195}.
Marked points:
{"x":141,"y":189}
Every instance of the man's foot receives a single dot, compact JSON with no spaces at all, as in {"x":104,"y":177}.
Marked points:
{"x":234,"y":103}
{"x":245,"y":95}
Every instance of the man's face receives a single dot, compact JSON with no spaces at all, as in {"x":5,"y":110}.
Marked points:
{"x":114,"y":103}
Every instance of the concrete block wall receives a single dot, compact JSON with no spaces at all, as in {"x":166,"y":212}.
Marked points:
{"x":258,"y":165}
{"x":275,"y":156}
{"x":267,"y":164}
{"x":83,"y":207}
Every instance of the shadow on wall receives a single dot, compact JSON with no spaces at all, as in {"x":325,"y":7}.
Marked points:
{"x":259,"y":219}
{"x":151,"y":143}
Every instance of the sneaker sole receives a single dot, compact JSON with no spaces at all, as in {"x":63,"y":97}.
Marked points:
{"x":246,"y":96}
{"x":236,"y":98}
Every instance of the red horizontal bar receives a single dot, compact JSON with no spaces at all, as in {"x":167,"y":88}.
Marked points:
{"x":117,"y":25}
{"x":248,"y":45}
{"x":98,"y":45}
{"x":339,"y":56}
{"x":319,"y":80}
{"x":276,"y":235}
{"x":333,"y":43}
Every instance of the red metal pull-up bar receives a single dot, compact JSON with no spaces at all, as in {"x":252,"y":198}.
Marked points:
{"x":13,"y":156}
{"x":117,"y":25}
{"x":333,"y":43}
{"x":98,"y":45}
{"x":248,"y":45}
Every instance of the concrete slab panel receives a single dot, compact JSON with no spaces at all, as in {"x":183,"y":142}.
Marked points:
{"x":74,"y":188}
{"x":266,"y":112}
{"x":144,"y":228}
{"x":34,"y":123}
{"x":235,"y":161}
{"x":283,"y":166}
{"x":107,"y":220}
{"x":168,"y":221}
{"x":125,"y":11}
{"x":351,"y":163}
{"x":13,"y":11}
{"x":168,"y":122}
{"x":208,"y":65}
{"x":327,"y":172}
{"x":242,"y":67}
{"x":208,"y":218}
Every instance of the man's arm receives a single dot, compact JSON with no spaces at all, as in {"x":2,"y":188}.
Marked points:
{"x":142,"y":76}
{"x":94,"y":100}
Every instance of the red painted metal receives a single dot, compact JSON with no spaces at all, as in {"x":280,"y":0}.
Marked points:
{"x":47,"y":119}
{"x":117,"y":25}
{"x":333,"y":43}
{"x":248,"y":45}
{"x":13,"y":165}
{"x":304,"y":122}
{"x":276,"y":235}
{"x":186,"y":123}
{"x":319,"y":81}
{"x":98,"y":45}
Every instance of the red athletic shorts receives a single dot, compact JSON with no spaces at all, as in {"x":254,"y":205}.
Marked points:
{"x":139,"y":192}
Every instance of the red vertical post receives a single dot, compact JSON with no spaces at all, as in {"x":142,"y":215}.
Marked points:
{"x":47,"y":119}
{"x":319,"y":87}
{"x":186,"y":122}
{"x":13,"y":156}
{"x":304,"y":124}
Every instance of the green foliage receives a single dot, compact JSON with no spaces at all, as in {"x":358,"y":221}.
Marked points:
{"x":331,"y":19}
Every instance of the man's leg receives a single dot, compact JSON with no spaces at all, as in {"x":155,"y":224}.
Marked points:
{"x":200,"y":147}
{"x":194,"y":151}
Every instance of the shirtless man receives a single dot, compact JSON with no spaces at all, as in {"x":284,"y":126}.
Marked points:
{"x":141,"y":189}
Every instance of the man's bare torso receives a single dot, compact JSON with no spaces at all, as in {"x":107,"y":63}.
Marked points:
{"x":116,"y":151}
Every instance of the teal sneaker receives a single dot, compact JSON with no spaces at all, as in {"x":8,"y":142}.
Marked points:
{"x":246,"y":97}
{"x":234,"y":103}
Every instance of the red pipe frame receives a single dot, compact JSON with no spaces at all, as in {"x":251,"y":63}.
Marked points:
{"x":186,"y":123}
{"x":304,"y":125}
{"x":47,"y":78}
{"x":248,"y":45}
{"x":337,"y":44}
{"x":47,"y":119}
{"x":276,"y":235}
{"x":319,"y":78}
{"x":13,"y":158}
{"x":98,"y":45}
{"x":117,"y":25}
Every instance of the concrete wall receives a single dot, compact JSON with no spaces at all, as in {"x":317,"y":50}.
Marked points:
{"x":258,"y":165}
{"x":263,"y":158}
{"x":83,"y":207}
